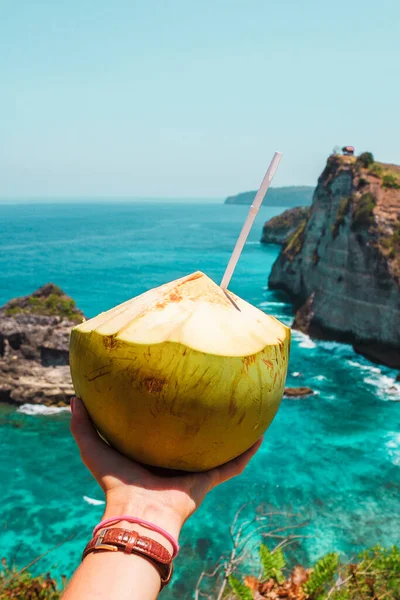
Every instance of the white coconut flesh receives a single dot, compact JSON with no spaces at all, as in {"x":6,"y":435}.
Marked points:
{"x":192,"y":311}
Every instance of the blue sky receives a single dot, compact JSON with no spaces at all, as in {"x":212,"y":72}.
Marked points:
{"x":190,"y":98}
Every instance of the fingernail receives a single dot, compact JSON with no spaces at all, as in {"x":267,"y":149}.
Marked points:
{"x":72,"y":404}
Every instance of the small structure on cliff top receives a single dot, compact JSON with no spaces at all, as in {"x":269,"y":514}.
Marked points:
{"x":348,"y":150}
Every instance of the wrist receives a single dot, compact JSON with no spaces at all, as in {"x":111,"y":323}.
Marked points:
{"x":148,"y":510}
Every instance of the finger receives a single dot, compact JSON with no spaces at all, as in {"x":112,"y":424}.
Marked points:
{"x":236,"y":466}
{"x":94,"y":451}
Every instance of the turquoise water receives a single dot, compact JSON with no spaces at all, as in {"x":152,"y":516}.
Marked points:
{"x":334,"y":458}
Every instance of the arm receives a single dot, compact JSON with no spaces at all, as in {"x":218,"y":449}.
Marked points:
{"x":131,"y":489}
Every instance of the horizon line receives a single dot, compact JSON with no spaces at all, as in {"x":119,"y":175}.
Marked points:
{"x":136,"y":197}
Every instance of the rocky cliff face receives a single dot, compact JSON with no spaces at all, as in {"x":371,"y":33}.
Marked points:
{"x":341,"y":267}
{"x":279,"y":229}
{"x":34,"y":346}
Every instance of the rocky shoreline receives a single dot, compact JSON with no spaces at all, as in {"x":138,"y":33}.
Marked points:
{"x":341,"y":266}
{"x":34,"y":348}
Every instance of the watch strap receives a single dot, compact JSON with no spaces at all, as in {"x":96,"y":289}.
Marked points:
{"x":130,"y":542}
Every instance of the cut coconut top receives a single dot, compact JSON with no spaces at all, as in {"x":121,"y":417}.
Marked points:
{"x":193,"y":311}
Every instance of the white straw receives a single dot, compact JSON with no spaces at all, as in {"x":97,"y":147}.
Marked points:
{"x":254,"y":208}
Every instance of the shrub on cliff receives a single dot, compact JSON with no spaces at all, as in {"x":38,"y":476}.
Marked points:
{"x":294,"y":244}
{"x":342,"y":211}
{"x":48,"y":300}
{"x":374,"y":575}
{"x":363,"y":212}
{"x":391,"y":243}
{"x":365,"y":159}
{"x":376,"y":169}
{"x":390,"y":181}
{"x":21,"y":585}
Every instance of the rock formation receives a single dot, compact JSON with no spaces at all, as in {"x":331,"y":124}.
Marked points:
{"x":298,"y":392}
{"x":278,"y":229}
{"x":341,"y":267}
{"x":34,"y":345}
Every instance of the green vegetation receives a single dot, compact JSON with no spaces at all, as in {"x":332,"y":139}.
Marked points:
{"x":240,"y":589}
{"x":343,"y":209}
{"x":391,"y":243}
{"x":365,"y":159}
{"x":376,"y":169}
{"x":21,"y":585}
{"x":289,"y":217}
{"x":14,"y":310}
{"x":390,"y":181}
{"x":322,"y":574}
{"x":273,"y":563}
{"x":295,"y":242}
{"x":54,"y":304}
{"x":363,"y":215}
{"x":374,"y":575}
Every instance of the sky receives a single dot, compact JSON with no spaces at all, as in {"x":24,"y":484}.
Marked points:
{"x":189,"y":98}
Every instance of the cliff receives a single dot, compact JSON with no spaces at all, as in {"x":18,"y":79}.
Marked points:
{"x":34,"y":347}
{"x":278,"y":229}
{"x":295,"y":195}
{"x":341,"y":267}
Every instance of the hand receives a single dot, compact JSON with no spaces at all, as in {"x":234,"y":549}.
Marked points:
{"x":165,"y":498}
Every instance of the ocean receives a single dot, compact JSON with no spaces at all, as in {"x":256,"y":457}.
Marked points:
{"x":333,"y":459}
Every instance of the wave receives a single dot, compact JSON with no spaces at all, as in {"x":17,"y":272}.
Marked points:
{"x":40,"y":409}
{"x":393,"y":447}
{"x":271,"y":303}
{"x":368,"y":368}
{"x":308,"y":344}
{"x":93,"y":501}
{"x":386,"y":387}
{"x":339,"y":347}
{"x":304,"y":339}
{"x":320,"y":378}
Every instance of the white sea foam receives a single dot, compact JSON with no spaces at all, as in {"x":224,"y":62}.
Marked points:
{"x":320,"y":378}
{"x":298,"y":335}
{"x":385,"y":387}
{"x":93,"y":501}
{"x":304,"y":339}
{"x":296,"y":374}
{"x":308,"y":344}
{"x":368,"y":368}
{"x":40,"y":409}
{"x":393,"y":447}
{"x":266,"y":303}
{"x":336,"y":347}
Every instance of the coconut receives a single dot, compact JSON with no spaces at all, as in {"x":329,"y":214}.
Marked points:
{"x":185,"y":376}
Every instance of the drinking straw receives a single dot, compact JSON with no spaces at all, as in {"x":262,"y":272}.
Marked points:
{"x":254,"y":208}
